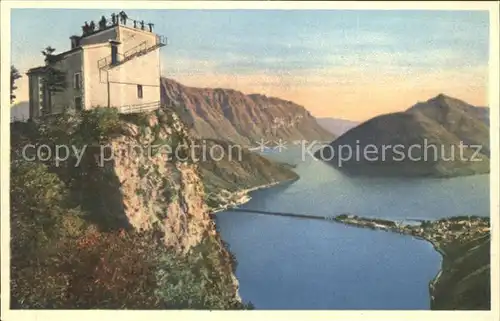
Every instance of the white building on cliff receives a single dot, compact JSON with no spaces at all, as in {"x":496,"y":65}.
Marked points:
{"x":115,"y":65}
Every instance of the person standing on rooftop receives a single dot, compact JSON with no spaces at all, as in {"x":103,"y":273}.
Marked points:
{"x":123,"y":17}
{"x":85,"y":28}
{"x":102,"y":23}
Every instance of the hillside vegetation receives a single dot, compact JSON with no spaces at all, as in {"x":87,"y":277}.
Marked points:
{"x":464,"y":283}
{"x":134,"y":233}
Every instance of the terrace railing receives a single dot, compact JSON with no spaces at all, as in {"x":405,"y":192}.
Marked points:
{"x":136,"y":51}
{"x":107,"y":61}
{"x":139,"y":108}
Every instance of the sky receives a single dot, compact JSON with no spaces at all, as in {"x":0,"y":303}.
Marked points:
{"x":337,"y":63}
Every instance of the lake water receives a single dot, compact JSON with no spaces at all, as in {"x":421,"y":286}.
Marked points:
{"x":293,"y":263}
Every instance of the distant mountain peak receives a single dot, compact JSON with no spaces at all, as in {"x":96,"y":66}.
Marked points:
{"x":440,"y":102}
{"x":443,"y":121}
{"x":337,"y":126}
{"x":442,"y":98}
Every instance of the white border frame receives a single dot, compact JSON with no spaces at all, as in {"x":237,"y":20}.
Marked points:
{"x":492,"y":7}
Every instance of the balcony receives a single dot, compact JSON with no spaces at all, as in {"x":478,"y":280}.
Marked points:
{"x":139,"y":108}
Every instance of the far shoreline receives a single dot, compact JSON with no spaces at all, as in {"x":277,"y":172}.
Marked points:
{"x":244,"y":197}
{"x":442,"y":234}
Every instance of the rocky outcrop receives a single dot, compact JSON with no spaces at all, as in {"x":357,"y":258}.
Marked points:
{"x":159,"y":190}
{"x":244,"y":119}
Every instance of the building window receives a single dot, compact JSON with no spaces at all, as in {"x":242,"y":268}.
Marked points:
{"x":77,"y":81}
{"x":114,"y":54}
{"x":78,"y":103}
{"x":139,"y":91}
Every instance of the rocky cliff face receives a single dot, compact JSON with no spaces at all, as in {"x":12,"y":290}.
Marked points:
{"x":131,"y":171}
{"x":159,"y":190}
{"x":136,"y":172}
{"x":245,"y":119}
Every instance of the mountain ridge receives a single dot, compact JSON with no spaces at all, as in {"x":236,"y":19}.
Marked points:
{"x":229,"y":114}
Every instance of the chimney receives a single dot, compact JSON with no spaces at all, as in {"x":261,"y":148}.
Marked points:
{"x":75,"y":41}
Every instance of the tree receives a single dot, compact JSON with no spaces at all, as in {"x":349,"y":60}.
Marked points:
{"x":48,"y":53}
{"x":14,"y":75}
{"x":53,"y":80}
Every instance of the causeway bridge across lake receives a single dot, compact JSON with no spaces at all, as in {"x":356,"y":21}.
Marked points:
{"x":307,"y":216}
{"x":314,"y":217}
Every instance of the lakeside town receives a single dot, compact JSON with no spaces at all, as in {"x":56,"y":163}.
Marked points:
{"x":440,"y":232}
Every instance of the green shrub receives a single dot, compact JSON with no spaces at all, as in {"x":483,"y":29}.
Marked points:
{"x":142,"y":171}
{"x":99,"y":124}
{"x":200,"y":280}
{"x":169,"y":191}
{"x":60,"y":261}
{"x":139,"y":119}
